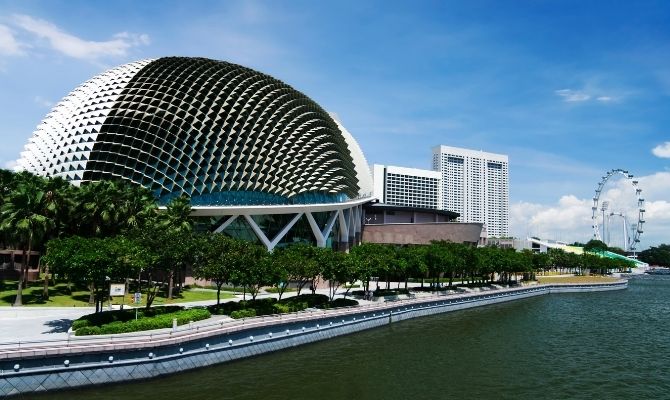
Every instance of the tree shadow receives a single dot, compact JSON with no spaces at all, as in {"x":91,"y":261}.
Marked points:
{"x":58,"y":325}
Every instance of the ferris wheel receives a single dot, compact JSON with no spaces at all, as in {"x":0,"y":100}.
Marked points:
{"x":632,"y":219}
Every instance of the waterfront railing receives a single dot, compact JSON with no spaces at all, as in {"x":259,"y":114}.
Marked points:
{"x":199,"y":330}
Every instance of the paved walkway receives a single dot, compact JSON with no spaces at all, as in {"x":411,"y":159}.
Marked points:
{"x":47,"y":323}
{"x":38,"y":323}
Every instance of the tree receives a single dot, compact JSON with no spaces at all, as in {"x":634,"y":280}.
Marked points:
{"x":171,"y":250}
{"x":23,"y":219}
{"x":137,"y":206}
{"x":223,"y":259}
{"x":97,"y":261}
{"x":58,"y":206}
{"x":595,"y":245}
{"x":656,"y":255}
{"x":336,"y":269}
{"x":98,"y":209}
{"x":416,"y":262}
{"x":372,"y":259}
{"x":284,"y":262}
{"x":252,"y":265}
{"x":176,"y":222}
{"x":302,"y":265}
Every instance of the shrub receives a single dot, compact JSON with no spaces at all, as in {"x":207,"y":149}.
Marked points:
{"x":158,"y":321}
{"x":244,"y":313}
{"x":107,"y":317}
{"x":312,"y":300}
{"x":281,"y":308}
{"x":340,"y":303}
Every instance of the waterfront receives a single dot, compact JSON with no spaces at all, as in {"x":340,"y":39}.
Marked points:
{"x":585,"y":345}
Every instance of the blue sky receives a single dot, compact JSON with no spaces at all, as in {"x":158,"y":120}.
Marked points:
{"x":568,"y":89}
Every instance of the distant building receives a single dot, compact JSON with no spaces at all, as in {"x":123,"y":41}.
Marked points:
{"x":475,"y":184}
{"x":407,"y":187}
{"x":389,"y":224}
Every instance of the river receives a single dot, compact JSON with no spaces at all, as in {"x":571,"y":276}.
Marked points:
{"x":606,"y":345}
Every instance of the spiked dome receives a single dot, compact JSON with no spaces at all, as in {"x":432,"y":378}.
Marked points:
{"x":220,"y":133}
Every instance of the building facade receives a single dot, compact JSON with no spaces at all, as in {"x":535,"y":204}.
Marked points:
{"x":475,"y":184}
{"x":407,"y":187}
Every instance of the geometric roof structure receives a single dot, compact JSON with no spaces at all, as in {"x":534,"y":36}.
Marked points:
{"x":220,"y":133}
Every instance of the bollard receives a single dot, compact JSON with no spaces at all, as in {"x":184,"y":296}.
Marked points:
{"x":174,"y":324}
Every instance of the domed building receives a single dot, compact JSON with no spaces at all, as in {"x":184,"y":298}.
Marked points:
{"x":260,"y":158}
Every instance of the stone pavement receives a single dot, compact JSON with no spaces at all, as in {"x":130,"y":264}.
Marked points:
{"x":38,"y":323}
{"x":52,"y":323}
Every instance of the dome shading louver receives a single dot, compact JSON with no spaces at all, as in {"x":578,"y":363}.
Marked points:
{"x":218,"y":132}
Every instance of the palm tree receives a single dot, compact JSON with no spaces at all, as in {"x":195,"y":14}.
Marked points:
{"x":177,"y":216}
{"x":178,"y":223}
{"x":58,"y":206}
{"x":23,"y":218}
{"x":98,"y":207}
{"x":137,"y":206}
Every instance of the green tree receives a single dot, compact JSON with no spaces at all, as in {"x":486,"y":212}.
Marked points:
{"x":252,"y":268}
{"x":97,"y":261}
{"x":416,"y":262}
{"x":98,"y":209}
{"x":302,"y":265}
{"x":23,"y":219}
{"x":176,"y":223}
{"x":219,"y":260}
{"x":372,"y":260}
{"x":337,"y":270}
{"x":59,"y":206}
{"x":656,"y":255}
{"x":285,"y":267}
{"x":595,"y":245}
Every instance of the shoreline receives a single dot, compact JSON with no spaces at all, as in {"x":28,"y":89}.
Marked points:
{"x":84,"y":361}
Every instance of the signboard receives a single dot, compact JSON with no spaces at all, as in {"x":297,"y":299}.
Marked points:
{"x":117,"y":289}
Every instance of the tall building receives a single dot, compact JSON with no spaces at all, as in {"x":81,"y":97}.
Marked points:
{"x":475,"y":184}
{"x":407,"y":187}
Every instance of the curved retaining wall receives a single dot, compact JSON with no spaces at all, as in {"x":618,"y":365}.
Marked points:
{"x":44,"y":366}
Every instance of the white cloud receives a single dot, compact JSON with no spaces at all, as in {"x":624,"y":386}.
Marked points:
{"x":8,"y":43}
{"x":571,"y":96}
{"x":585,"y":95}
{"x":662,"y":150}
{"x":9,"y":164}
{"x":43,"y":102}
{"x":570,"y":218}
{"x":76,"y":47}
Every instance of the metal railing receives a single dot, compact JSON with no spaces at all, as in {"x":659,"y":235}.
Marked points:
{"x":199,"y":330}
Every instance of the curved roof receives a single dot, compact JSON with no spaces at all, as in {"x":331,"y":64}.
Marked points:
{"x":219,"y":132}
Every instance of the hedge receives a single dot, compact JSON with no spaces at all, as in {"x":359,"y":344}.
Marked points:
{"x":270,"y":305}
{"x":245,"y":313}
{"x":158,"y":321}
{"x":107,"y":317}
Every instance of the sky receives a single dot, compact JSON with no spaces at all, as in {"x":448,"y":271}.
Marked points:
{"x":568,"y":89}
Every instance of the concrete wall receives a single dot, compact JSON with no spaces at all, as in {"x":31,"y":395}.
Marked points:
{"x":46,"y":369}
{"x":422,"y":233}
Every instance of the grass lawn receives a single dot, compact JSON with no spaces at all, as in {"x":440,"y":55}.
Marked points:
{"x":576,"y":279}
{"x":60,"y":297}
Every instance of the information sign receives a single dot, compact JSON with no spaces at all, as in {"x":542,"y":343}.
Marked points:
{"x":117,"y":289}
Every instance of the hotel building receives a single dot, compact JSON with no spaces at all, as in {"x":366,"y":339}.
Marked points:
{"x":475,"y":184}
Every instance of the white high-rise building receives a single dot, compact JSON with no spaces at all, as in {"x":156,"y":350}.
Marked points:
{"x":475,"y":184}
{"x":407,"y":187}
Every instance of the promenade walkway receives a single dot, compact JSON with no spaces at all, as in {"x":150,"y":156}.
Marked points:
{"x":52,"y":323}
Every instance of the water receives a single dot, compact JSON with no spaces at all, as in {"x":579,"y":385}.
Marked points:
{"x":609,"y":345}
